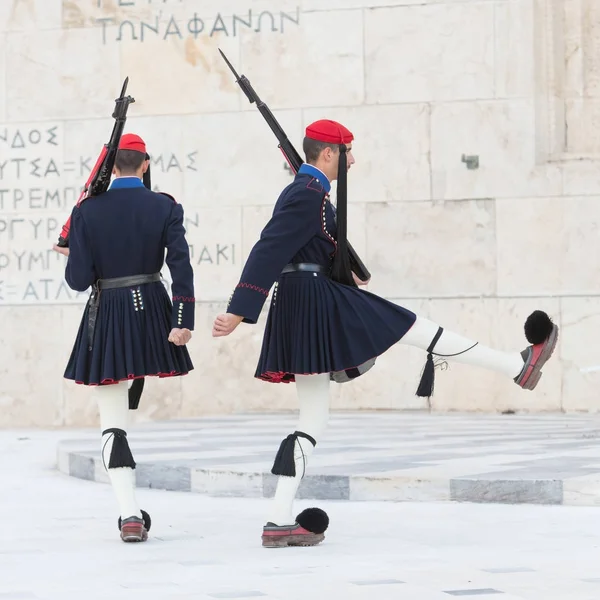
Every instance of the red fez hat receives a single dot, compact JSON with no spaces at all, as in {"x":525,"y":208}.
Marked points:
{"x":330,"y":132}
{"x":131,"y":141}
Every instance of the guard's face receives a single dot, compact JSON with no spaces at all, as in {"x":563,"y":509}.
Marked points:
{"x":349,"y":156}
{"x":332,"y":161}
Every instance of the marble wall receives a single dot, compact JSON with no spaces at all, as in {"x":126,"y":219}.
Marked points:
{"x":422,"y":84}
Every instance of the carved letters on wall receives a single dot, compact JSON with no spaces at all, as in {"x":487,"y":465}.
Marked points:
{"x":37,"y":193}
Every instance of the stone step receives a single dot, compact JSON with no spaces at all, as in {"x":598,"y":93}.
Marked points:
{"x":514,"y":459}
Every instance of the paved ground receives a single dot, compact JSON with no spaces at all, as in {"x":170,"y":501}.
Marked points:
{"x":543,"y":459}
{"x":59,"y":541}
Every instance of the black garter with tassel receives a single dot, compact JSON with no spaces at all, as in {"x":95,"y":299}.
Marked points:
{"x":120,"y":454}
{"x":538,"y":328}
{"x":285,"y":463}
{"x":425,"y":389}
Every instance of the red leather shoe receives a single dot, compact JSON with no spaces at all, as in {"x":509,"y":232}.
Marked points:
{"x":308,"y":530}
{"x":535,"y":357}
{"x":281,"y":536}
{"x":134,"y":529}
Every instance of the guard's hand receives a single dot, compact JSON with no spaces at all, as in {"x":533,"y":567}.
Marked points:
{"x":225,"y":324}
{"x":358,"y":281}
{"x":180,"y":337}
{"x":60,"y":250}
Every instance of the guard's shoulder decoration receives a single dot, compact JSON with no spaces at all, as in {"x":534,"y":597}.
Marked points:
{"x":99,"y":178}
{"x":295,"y":161}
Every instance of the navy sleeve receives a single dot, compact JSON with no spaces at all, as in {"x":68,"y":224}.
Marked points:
{"x":182,"y":273}
{"x":80,"y":273}
{"x":290,"y":228}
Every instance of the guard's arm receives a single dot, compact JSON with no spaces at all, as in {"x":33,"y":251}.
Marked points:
{"x":182,"y":273}
{"x":80,"y":272}
{"x":289,"y":229}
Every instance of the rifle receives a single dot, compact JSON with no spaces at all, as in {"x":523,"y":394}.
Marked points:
{"x":290,"y":154}
{"x":99,"y":178}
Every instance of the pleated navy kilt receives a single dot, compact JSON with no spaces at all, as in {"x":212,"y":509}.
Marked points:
{"x":316,"y":325}
{"x":130,"y":339}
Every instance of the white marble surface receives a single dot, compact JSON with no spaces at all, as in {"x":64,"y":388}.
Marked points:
{"x":46,"y":82}
{"x":456,"y":62}
{"x":424,"y":249}
{"x":318,"y":64}
{"x":3,"y":116}
{"x":391,"y":147}
{"x":197,"y":542}
{"x":31,"y":15}
{"x":583,"y":117}
{"x":502,"y":135}
{"x":514,"y":60}
{"x":563,"y":245}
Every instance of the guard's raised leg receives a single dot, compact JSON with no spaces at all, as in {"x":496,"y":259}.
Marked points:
{"x":307,"y":528}
{"x":524,"y":367}
{"x":113,"y":405}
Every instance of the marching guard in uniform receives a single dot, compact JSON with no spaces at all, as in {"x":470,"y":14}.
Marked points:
{"x":322,"y":327}
{"x":130,"y":327}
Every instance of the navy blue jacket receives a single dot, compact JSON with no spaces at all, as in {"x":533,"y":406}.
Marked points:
{"x":125,"y":231}
{"x":301,"y":229}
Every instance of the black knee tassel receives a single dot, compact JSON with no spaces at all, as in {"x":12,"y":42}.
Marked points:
{"x":425,"y":389}
{"x":120,"y":455}
{"x":285,"y":463}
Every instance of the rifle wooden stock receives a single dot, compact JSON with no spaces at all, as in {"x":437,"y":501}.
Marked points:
{"x":99,"y":178}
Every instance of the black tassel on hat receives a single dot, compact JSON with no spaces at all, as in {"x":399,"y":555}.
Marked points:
{"x":120,"y":454}
{"x":341,"y":271}
{"x":425,"y":389}
{"x":285,"y":462}
{"x":146,"y":178}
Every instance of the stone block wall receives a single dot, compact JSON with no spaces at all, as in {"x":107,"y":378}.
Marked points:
{"x":424,"y":85}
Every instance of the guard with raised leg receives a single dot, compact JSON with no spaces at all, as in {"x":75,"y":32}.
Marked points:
{"x":321,"y":326}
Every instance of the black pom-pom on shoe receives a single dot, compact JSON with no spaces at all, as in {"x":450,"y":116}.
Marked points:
{"x":314,"y":520}
{"x":538,"y":327}
{"x":147,"y":520}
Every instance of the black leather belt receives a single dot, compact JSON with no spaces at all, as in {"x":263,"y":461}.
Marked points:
{"x":128,"y":281}
{"x":308,"y":267}
{"x":109,"y":284}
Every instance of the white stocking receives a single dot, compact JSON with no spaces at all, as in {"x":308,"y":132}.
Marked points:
{"x":113,"y":404}
{"x":421,"y":335}
{"x":313,"y":397}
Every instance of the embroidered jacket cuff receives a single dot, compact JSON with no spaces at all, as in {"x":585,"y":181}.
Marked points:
{"x":247,"y":301}
{"x":183,"y":312}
